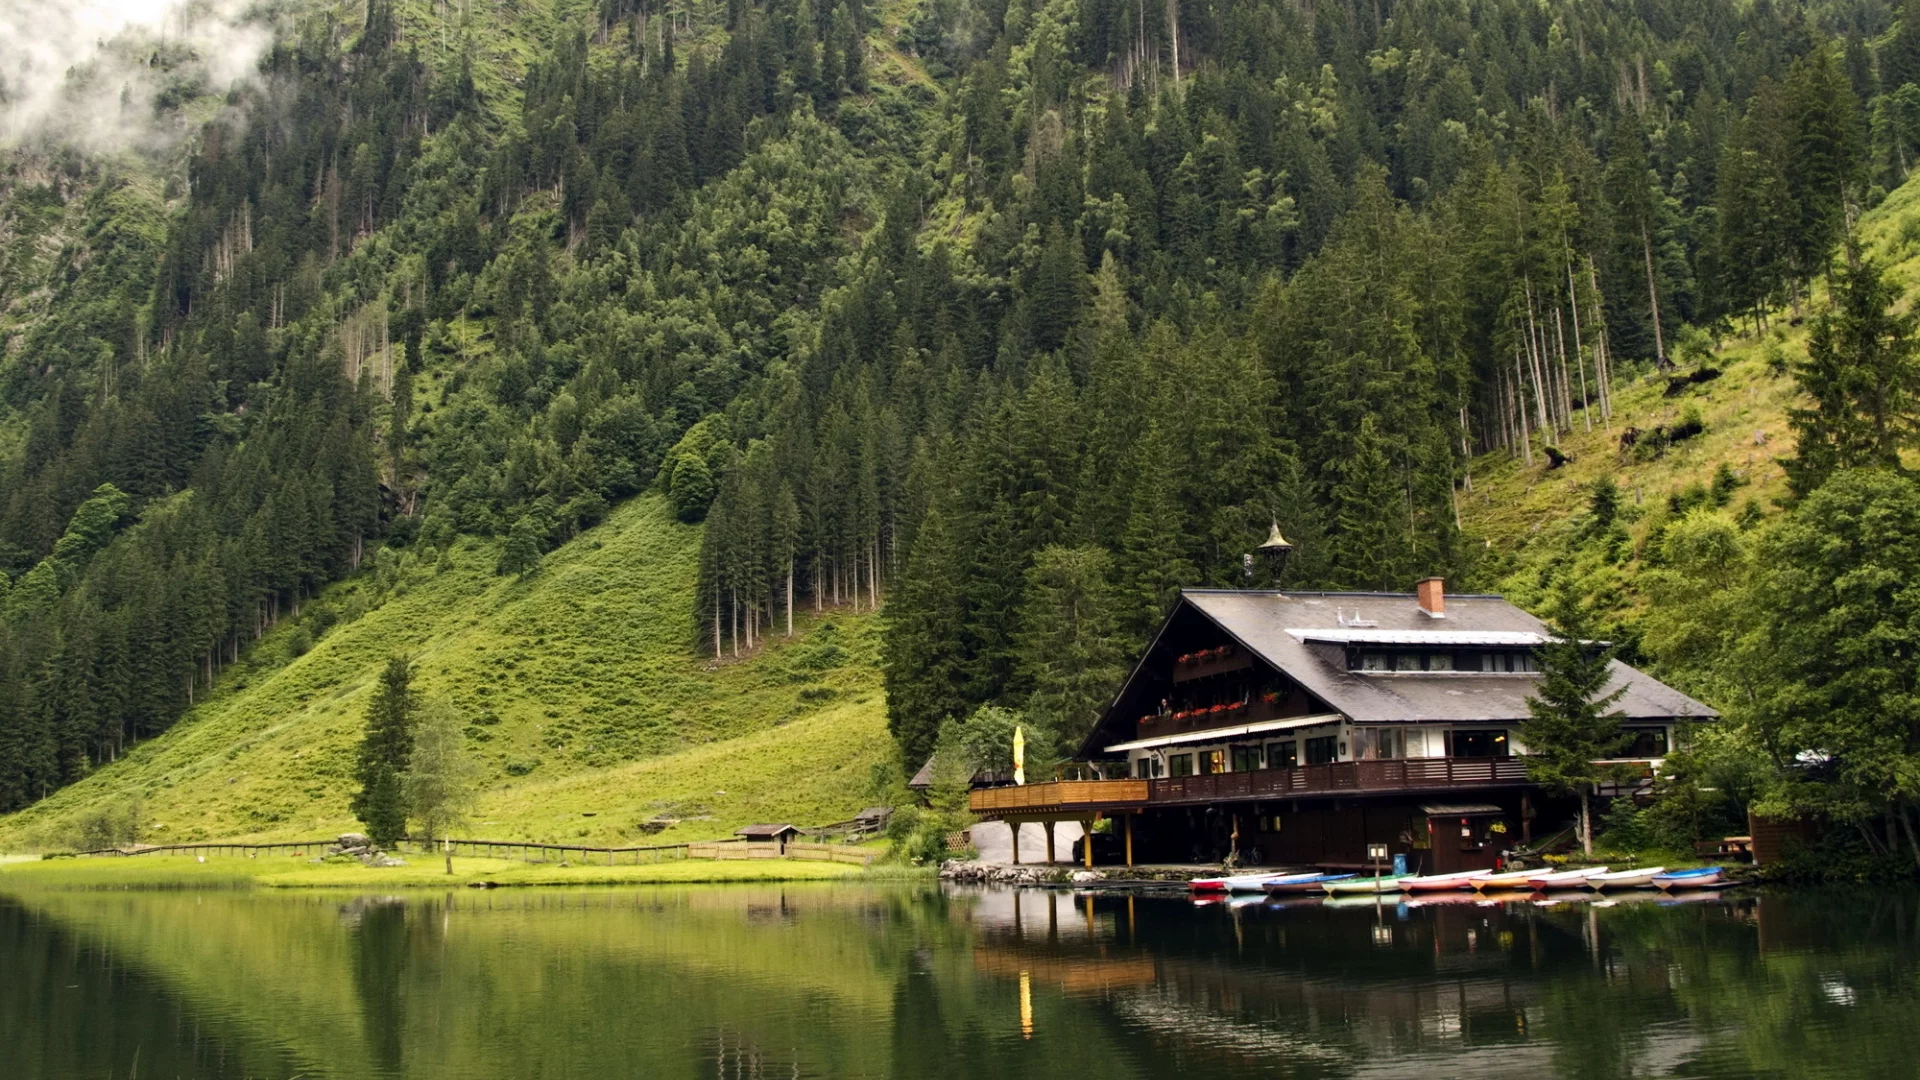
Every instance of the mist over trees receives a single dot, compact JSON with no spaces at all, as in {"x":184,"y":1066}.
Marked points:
{"x":1012,"y":319}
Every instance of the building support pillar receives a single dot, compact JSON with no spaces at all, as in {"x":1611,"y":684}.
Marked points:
{"x":1048,"y":825}
{"x":1128,"y":822}
{"x":1015,"y":827}
{"x":1086,"y":844}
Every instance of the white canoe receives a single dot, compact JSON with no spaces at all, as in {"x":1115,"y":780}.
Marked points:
{"x":1565,"y":879}
{"x":1514,"y":879}
{"x":1626,"y":879}
{"x":1444,"y":882}
{"x":1388,"y":884}
{"x":1236,"y":883}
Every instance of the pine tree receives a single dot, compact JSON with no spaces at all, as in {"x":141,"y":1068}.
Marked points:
{"x":1571,"y":720}
{"x":1863,"y":373}
{"x":385,"y":754}
{"x":1069,"y":651}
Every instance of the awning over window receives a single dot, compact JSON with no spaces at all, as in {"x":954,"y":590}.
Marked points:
{"x":1223,"y":733}
{"x":1461,"y":809}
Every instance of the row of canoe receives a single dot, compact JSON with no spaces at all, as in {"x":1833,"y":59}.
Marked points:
{"x":1590,"y":877}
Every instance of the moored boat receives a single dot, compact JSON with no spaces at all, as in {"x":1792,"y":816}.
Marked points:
{"x":1230,"y":883}
{"x":1386,"y":884}
{"x":1301,"y":883}
{"x":1564,"y":879}
{"x":1444,"y":882}
{"x":1513,"y":879}
{"x":1702,"y":878}
{"x":1626,"y":879}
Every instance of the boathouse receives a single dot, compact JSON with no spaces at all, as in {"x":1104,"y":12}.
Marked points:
{"x":1304,"y":728}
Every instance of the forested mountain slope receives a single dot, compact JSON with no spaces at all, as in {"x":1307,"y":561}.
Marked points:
{"x":1013,"y":315}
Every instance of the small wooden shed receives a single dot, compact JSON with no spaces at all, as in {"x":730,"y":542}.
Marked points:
{"x":780,"y":833}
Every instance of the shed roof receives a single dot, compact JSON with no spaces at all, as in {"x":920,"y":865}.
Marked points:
{"x":753,"y":832}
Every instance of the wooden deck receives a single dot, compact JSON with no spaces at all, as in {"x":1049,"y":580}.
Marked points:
{"x":1074,"y":798}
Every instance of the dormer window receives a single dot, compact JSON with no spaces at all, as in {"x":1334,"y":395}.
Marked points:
{"x":1508,"y":662}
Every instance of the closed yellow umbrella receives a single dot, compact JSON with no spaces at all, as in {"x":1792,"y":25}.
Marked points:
{"x":1019,"y":755}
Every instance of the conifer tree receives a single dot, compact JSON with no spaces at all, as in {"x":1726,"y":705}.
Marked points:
{"x":1571,"y":719}
{"x":1069,"y":651}
{"x":1863,"y":373}
{"x":386,"y":751}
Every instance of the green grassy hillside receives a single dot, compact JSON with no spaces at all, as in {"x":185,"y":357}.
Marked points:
{"x":1529,"y":516}
{"x":581,"y":697}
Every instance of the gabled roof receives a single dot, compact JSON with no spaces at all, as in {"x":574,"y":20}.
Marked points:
{"x":1304,"y":636}
{"x":756,"y":832}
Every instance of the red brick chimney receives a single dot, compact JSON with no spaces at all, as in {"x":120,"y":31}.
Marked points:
{"x":1433,"y":596}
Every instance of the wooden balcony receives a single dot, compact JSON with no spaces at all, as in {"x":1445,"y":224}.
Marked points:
{"x":1340,"y":777}
{"x":1063,"y":796}
{"x":1071,"y":798}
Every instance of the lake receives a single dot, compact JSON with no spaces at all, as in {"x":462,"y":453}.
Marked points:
{"x":872,"y":981}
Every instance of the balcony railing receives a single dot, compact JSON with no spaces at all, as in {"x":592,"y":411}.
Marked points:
{"x":1058,"y":794}
{"x":1410,"y":774}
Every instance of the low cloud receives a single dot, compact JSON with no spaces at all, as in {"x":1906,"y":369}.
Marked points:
{"x":108,"y":75}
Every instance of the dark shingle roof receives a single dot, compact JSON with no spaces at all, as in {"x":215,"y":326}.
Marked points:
{"x":1261,"y":621}
{"x":758,"y":832}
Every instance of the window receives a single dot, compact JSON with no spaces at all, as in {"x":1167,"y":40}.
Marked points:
{"x":1211,"y":761}
{"x":1283,"y":755}
{"x":1379,"y":744}
{"x":1646,"y":742}
{"x":1248,"y":758}
{"x":1440,"y":662}
{"x":1373,"y":661}
{"x":1407,"y":662}
{"x":1479,"y":744}
{"x":1504,"y":662}
{"x":1179,"y":764}
{"x":1417,"y":743}
{"x":1322,"y":750}
{"x":1143,"y":768}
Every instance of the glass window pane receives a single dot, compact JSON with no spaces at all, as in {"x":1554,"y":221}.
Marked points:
{"x":1407,"y":662}
{"x":1440,"y":662}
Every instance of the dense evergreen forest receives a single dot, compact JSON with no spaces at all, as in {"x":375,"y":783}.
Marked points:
{"x":1011,"y":316}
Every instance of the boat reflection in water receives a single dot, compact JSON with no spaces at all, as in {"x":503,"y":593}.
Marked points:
{"x":1512,"y":984}
{"x":871,"y":981}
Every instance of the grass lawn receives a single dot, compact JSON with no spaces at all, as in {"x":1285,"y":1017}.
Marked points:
{"x":421,"y":872}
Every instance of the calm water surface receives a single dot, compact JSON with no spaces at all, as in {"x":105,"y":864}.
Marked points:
{"x":863,"y":981}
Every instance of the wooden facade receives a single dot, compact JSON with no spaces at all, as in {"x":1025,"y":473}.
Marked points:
{"x":1305,"y":729}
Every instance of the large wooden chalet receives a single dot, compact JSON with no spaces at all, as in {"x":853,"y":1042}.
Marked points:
{"x":1300,"y":728}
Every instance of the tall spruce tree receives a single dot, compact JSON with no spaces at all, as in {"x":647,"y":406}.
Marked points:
{"x":1069,"y":650}
{"x":386,"y":752}
{"x":1863,"y":373}
{"x":1571,"y":720}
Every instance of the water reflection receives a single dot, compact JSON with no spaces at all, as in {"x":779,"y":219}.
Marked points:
{"x":850,"y":981}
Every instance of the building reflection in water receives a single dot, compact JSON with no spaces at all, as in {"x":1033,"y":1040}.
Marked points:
{"x":1380,"y":988}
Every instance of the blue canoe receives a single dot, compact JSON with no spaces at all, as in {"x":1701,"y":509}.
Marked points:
{"x":1702,"y":878}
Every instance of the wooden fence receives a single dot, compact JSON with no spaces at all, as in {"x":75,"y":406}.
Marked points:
{"x":528,"y":851}
{"x":794,"y":849}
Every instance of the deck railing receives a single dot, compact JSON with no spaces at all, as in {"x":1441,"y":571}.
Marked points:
{"x":1410,"y":774}
{"x":1059,"y":793}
